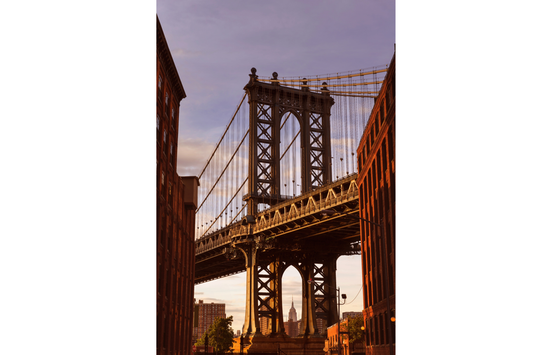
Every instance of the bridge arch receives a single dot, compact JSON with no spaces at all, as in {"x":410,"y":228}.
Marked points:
{"x":290,"y":153}
{"x":291,"y":294}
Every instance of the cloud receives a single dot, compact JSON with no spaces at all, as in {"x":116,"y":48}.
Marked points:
{"x":180,"y":52}
{"x":192,"y":155}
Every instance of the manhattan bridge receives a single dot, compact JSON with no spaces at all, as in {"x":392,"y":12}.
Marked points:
{"x":280,"y":190}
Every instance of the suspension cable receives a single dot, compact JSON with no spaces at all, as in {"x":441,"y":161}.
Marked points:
{"x":337,"y":85}
{"x":222,"y":173}
{"x":217,"y":217}
{"x":325,"y":78}
{"x":223,"y":134}
{"x":296,"y":136}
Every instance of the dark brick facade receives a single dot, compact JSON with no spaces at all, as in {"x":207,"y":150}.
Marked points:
{"x":176,"y":205}
{"x":376,"y":182}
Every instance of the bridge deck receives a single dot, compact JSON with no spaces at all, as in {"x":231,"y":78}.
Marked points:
{"x":323,"y":220}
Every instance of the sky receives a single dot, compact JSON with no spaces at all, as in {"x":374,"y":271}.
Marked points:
{"x":77,"y":148}
{"x":214,"y":45}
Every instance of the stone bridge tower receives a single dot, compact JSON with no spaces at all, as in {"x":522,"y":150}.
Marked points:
{"x":269,"y":102}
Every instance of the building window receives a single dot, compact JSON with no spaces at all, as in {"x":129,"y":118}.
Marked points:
{"x":171,"y":153}
{"x":166,"y":98}
{"x":160,"y":82}
{"x":173,"y":120}
{"x":158,"y":122}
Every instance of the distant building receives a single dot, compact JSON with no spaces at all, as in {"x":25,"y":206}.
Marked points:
{"x":263,"y":322}
{"x":321,"y":324}
{"x":321,"y":321}
{"x":377,"y":203}
{"x":292,"y":325}
{"x":292,"y":328}
{"x":346,"y":315}
{"x":292,"y":313}
{"x":204,"y":316}
{"x":175,"y":209}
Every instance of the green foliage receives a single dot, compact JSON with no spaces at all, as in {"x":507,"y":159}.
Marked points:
{"x":354,"y":328}
{"x":220,"y":335}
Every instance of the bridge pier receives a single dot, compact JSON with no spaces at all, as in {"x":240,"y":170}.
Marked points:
{"x":318,"y":294}
{"x":264,"y":298}
{"x":251,"y":325}
{"x":264,"y":289}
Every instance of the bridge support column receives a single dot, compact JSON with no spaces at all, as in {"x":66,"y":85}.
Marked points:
{"x":308,"y":323}
{"x":325,"y":290}
{"x":275,"y":326}
{"x":263,"y":293}
{"x":251,"y":325}
{"x":319,"y":295}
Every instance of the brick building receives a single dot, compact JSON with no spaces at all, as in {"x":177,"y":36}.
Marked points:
{"x":204,"y":316}
{"x":377,"y":203}
{"x":335,"y":336}
{"x":176,"y":205}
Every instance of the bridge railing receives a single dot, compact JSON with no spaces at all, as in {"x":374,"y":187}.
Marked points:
{"x":222,"y":237}
{"x":310,"y":203}
{"x":301,"y":206}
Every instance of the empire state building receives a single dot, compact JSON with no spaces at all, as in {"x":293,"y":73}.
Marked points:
{"x":292,"y":313}
{"x":291,"y":326}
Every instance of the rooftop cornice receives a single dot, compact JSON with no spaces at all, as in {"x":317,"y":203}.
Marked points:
{"x":166,"y":57}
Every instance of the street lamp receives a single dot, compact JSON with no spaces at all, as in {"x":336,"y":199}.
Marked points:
{"x":363,"y":337}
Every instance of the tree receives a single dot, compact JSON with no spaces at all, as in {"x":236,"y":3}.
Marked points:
{"x":354,"y":328}
{"x":220,"y":335}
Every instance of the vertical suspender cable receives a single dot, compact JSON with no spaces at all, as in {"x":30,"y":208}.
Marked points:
{"x":342,"y":134}
{"x":341,"y":122}
{"x":347,"y":133}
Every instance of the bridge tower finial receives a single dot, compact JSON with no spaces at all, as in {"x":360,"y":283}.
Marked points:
{"x":253,"y":77}
{"x":304,"y":85}
{"x":275,"y":77}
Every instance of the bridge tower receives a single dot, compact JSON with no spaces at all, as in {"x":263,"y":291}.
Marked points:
{"x":269,"y":103}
